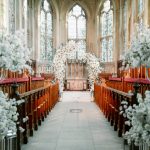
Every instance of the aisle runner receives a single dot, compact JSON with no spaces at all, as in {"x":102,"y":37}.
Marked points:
{"x":75,"y":124}
{"x":76,"y":96}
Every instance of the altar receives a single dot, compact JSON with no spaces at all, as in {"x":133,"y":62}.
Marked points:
{"x":76,"y":75}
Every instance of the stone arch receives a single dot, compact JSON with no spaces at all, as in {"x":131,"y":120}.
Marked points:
{"x":53,"y":5}
{"x":85,"y":25}
{"x":87,"y":11}
{"x":82,"y":5}
{"x":114,"y":3}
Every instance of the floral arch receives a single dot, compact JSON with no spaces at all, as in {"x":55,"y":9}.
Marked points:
{"x":92,"y":64}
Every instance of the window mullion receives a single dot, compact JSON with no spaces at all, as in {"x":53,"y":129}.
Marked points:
{"x":77,"y":29}
{"x":45,"y":35}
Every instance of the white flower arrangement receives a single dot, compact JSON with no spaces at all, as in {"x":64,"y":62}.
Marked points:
{"x":59,"y":62}
{"x":139,"y":52}
{"x":81,"y":57}
{"x":8,"y":114}
{"x":25,"y":119}
{"x":21,"y":129}
{"x":14,"y":54}
{"x":67,"y":52}
{"x":138,"y":118}
{"x":94,"y":68}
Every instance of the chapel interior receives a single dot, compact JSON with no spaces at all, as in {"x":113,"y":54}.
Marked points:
{"x":68,"y":75}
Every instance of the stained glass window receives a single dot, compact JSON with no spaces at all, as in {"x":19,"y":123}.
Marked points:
{"x":140,"y":12}
{"x":106,"y":32}
{"x":46,"y":36}
{"x":77,"y":28}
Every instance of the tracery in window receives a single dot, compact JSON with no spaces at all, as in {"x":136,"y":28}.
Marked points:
{"x":106,"y":17}
{"x":77,"y":28}
{"x":46,"y":36}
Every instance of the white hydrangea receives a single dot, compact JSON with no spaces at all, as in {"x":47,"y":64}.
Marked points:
{"x":14,"y":53}
{"x":139,"y":52}
{"x":93,"y":68}
{"x":8,"y":114}
{"x":67,"y":52}
{"x":59,"y":62}
{"x":139,"y":119}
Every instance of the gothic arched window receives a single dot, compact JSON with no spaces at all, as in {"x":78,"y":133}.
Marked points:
{"x":106,"y":17}
{"x":77,"y":28}
{"x":46,"y":35}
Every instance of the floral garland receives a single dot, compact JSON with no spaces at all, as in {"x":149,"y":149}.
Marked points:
{"x":139,"y":52}
{"x":14,"y":54}
{"x":138,"y":118}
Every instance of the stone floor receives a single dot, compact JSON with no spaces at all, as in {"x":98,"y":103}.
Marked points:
{"x":75,"y":123}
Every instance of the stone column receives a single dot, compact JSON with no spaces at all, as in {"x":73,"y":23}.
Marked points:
{"x":29,"y":25}
{"x":147,"y":12}
{"x":70,"y":70}
{"x":36,"y":28}
{"x":1,"y":14}
{"x":121,"y":28}
{"x":116,"y":38}
{"x":66,"y":69}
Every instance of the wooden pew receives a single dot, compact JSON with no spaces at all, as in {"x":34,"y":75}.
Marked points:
{"x":36,"y":106}
{"x":25,"y":84}
{"x":109,"y":100}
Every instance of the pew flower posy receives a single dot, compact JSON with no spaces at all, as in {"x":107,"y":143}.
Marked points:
{"x":138,"y":118}
{"x":139,"y":52}
{"x":8,"y":114}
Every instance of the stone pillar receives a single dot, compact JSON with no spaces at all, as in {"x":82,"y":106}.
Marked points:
{"x":62,"y":29}
{"x":66,"y":69}
{"x":147,"y":12}
{"x":116,"y":41}
{"x":121,"y":27}
{"x":1,"y":14}
{"x":30,"y":19}
{"x":17,"y":14}
{"x":70,"y":70}
{"x":36,"y":28}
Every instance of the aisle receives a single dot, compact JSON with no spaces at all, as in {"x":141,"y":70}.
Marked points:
{"x":75,"y":124}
